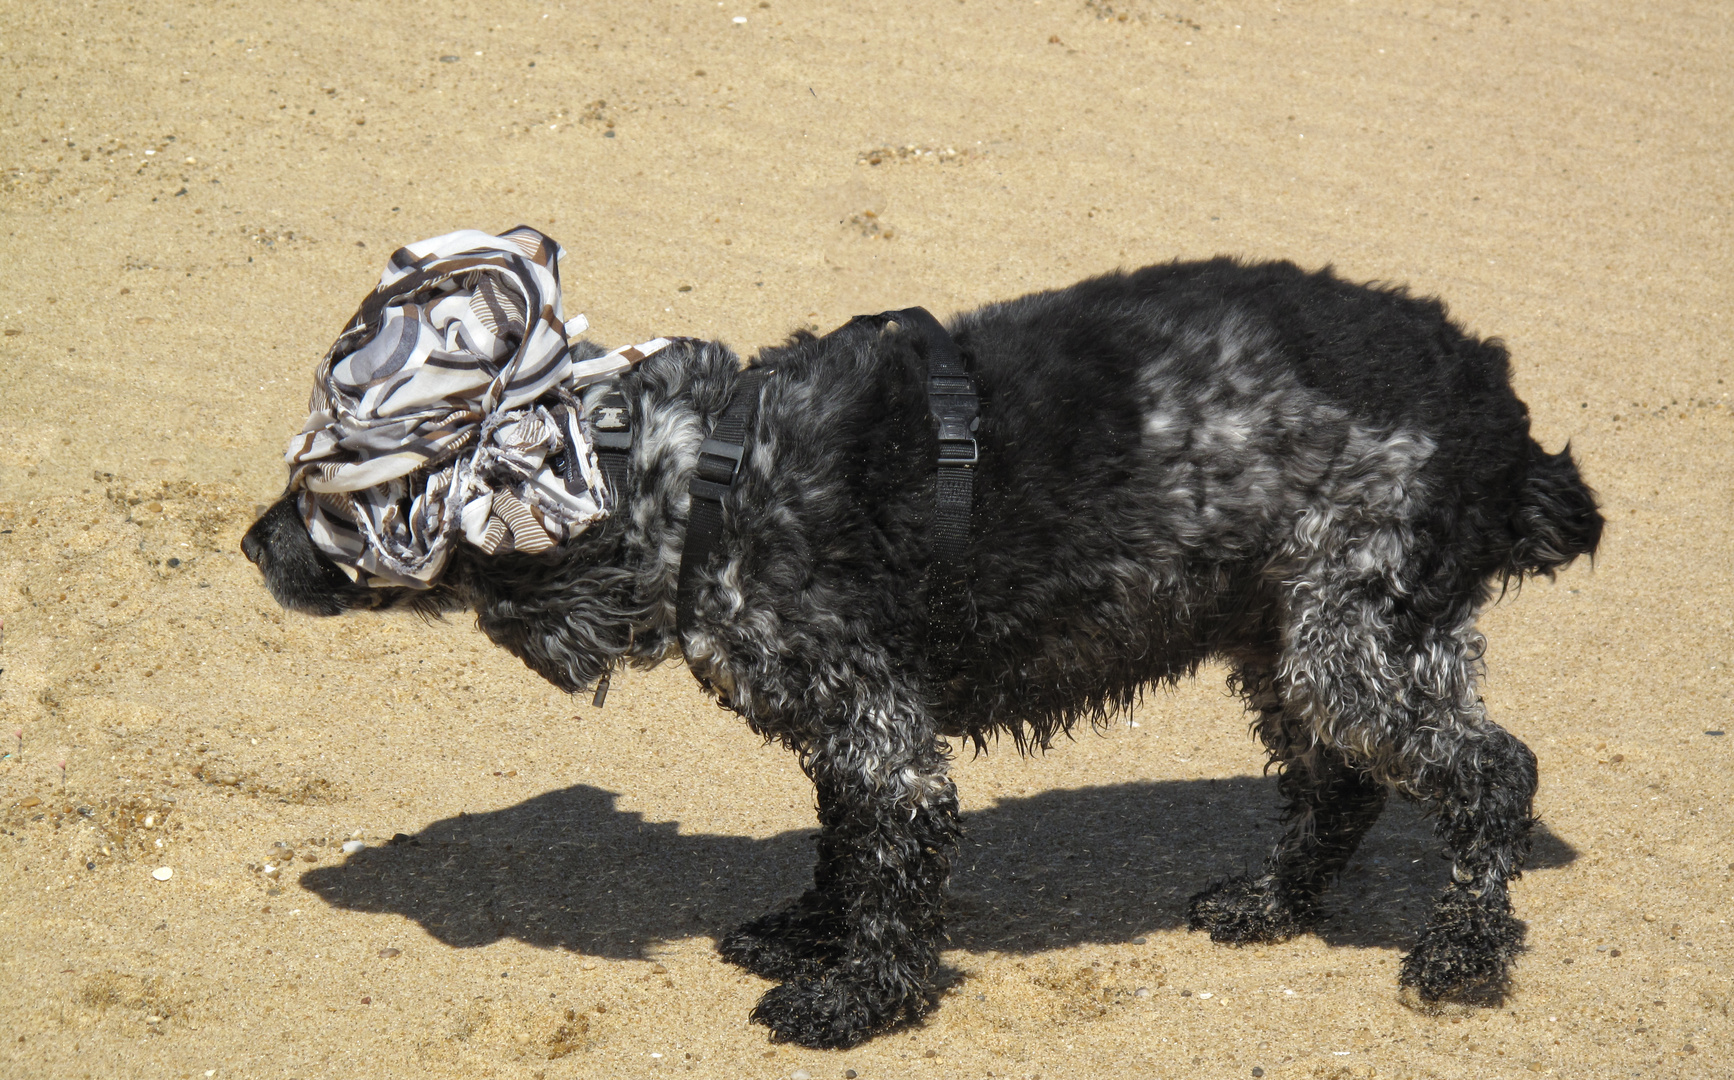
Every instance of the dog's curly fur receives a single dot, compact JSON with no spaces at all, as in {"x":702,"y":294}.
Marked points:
{"x":1316,"y":481}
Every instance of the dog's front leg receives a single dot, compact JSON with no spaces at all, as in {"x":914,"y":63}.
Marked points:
{"x":888,"y":829}
{"x":808,"y":935}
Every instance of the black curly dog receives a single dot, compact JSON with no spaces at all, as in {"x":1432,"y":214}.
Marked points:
{"x":1317,"y":482}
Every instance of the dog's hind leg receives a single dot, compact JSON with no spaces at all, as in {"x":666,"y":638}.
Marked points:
{"x":1483,"y":797}
{"x":1330,"y":806}
{"x":1384,"y":663}
{"x":888,"y":829}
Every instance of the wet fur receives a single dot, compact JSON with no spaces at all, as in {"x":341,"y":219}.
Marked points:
{"x":1315,"y":481}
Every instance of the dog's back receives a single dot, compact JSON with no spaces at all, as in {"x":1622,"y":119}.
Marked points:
{"x":1163,"y":450}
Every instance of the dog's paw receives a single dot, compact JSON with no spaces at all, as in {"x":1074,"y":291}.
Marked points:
{"x":1464,"y":956}
{"x":829,"y":1011}
{"x":1247,"y":911}
{"x":801,"y":939}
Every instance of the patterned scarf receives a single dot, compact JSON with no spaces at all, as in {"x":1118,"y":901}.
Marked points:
{"x":447,"y":407}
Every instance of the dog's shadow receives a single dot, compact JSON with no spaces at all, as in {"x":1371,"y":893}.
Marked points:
{"x":568,"y":870}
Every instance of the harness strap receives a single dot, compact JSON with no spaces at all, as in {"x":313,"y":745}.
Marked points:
{"x":955,"y":405}
{"x":611,"y":436}
{"x":719,"y":465}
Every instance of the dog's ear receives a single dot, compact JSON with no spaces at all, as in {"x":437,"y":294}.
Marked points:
{"x":568,"y":620}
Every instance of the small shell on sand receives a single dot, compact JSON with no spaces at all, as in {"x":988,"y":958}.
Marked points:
{"x":350,"y":847}
{"x":162,"y":873}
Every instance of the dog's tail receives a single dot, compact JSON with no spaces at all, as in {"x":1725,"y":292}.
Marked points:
{"x":1556,"y":518}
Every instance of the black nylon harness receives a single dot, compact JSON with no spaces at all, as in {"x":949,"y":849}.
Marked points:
{"x":713,"y":477}
{"x":955,"y":407}
{"x":611,"y":437}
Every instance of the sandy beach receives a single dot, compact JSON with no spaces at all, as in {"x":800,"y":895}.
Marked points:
{"x":193,"y":198}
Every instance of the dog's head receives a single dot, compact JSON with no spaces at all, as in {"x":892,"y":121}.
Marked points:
{"x":568,"y":613}
{"x":303,"y":578}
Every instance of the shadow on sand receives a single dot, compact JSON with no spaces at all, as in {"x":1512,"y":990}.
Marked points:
{"x":568,"y":870}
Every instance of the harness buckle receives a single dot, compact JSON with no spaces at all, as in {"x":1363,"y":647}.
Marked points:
{"x":602,"y":439}
{"x":719,"y":462}
{"x":959,"y":452}
{"x":956,"y":410}
{"x":611,"y":414}
{"x":609,"y":427}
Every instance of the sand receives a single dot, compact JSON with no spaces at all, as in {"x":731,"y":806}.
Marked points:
{"x":196,"y":196}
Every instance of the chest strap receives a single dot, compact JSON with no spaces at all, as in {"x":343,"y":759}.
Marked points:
{"x":719,"y":466}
